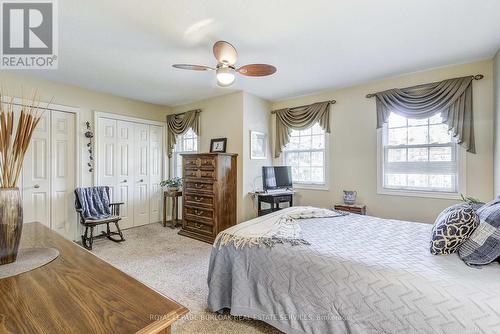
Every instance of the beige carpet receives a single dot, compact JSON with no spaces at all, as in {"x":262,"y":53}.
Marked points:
{"x":177,"y":267}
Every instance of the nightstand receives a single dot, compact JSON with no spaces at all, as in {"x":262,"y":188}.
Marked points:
{"x":359,"y":209}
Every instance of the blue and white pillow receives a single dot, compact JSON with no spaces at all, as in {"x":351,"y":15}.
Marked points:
{"x":452,"y":227}
{"x":483,"y":246}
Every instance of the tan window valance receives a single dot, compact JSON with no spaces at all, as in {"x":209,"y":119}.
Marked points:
{"x":179,"y":124}
{"x":300,"y":118}
{"x":451,"y":98}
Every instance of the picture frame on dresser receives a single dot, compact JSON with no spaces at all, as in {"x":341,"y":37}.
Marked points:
{"x":218,"y":145}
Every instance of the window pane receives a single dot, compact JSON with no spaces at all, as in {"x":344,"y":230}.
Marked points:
{"x":396,"y":180}
{"x":294,"y":133}
{"x":195,"y":144}
{"x":440,"y":154}
{"x":397,"y":136}
{"x":436,"y":119}
{"x":304,"y":159}
{"x":317,"y":175}
{"x":304,"y":174}
{"x":417,"y":154}
{"x":317,"y":130}
{"x":188,"y":145}
{"x":439,"y":134}
{"x":414,"y":122}
{"x":305,"y":142}
{"x":318,"y":142}
{"x":441,"y":182}
{"x":292,"y":159}
{"x":417,"y":135}
{"x":295,"y":174}
{"x":418,"y":180}
{"x":317,"y":159}
{"x":396,"y":121}
{"x":396,"y":155}
{"x":293,"y":144}
{"x":306,"y":132}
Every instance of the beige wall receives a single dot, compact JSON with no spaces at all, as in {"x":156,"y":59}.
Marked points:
{"x":353,"y":145}
{"x":256,"y":117}
{"x":222,"y":117}
{"x":496,"y":85}
{"x":86,"y":100}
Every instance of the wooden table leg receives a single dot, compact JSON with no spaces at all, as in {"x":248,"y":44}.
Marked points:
{"x":164,"y":210}
{"x":174,"y":212}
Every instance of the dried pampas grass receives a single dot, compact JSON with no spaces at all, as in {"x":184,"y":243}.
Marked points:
{"x":13,"y":145}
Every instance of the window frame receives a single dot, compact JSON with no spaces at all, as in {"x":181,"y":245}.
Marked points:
{"x":314,"y":186}
{"x":381,"y":190}
{"x":176,"y":153}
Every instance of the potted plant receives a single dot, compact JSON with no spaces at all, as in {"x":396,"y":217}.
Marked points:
{"x":13,"y":146}
{"x":172,"y":184}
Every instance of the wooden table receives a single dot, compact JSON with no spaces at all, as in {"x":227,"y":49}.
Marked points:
{"x":79,"y":293}
{"x":175,"y":207}
{"x":359,"y":209}
{"x":274,"y":199}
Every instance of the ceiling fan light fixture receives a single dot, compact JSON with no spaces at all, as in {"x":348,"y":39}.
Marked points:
{"x":225,"y":76}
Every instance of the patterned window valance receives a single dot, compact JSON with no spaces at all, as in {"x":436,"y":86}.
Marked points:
{"x":451,"y":98}
{"x":179,"y":124}
{"x":299,"y":118}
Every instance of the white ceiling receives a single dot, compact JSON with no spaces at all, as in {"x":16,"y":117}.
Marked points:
{"x":127,"y":47}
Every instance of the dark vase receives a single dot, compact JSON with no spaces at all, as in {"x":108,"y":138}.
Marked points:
{"x":11,"y":224}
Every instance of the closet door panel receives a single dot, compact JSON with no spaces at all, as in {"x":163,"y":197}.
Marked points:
{"x":107,"y":155}
{"x":125,"y":172}
{"x":155,"y":148}
{"x":36,"y":175}
{"x":63,"y":172}
{"x":141,"y":175}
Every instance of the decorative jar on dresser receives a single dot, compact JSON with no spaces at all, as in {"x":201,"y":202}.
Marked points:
{"x":209,"y":196}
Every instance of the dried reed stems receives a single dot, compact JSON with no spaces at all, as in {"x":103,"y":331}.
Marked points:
{"x":13,"y":146}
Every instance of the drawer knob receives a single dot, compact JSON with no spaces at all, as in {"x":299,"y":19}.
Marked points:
{"x":198,"y":225}
{"x":198,"y":212}
{"x":198,"y":199}
{"x":198,"y":186}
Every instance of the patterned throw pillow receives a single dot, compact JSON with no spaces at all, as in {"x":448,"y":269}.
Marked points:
{"x":452,"y":227}
{"x":483,"y":246}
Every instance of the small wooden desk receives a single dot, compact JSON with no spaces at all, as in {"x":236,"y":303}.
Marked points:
{"x":274,"y":199}
{"x":79,"y":293}
{"x":175,"y":207}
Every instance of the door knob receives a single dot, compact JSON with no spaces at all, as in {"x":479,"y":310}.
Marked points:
{"x":124,"y":181}
{"x":141,"y":180}
{"x":36,"y":186}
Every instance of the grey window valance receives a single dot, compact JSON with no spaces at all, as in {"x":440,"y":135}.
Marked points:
{"x":299,"y":118}
{"x":179,"y":124}
{"x":451,"y":98}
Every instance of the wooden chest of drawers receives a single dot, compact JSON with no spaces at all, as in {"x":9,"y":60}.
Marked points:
{"x":209,"y":194}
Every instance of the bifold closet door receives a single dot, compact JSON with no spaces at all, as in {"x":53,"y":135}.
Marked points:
{"x":141,"y":175}
{"x":125,"y":172}
{"x":49,"y":174}
{"x":155,"y":149}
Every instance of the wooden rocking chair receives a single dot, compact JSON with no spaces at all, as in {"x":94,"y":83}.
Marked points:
{"x":89,"y":224}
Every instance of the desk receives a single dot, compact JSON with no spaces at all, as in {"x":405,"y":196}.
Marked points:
{"x":79,"y":293}
{"x":175,"y":207}
{"x":274,"y":199}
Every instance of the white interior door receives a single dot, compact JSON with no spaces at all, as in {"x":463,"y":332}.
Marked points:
{"x":155,"y":150}
{"x":125,"y":172}
{"x":107,"y":155}
{"x":141,"y":173}
{"x":36,"y":175}
{"x":63,"y":172}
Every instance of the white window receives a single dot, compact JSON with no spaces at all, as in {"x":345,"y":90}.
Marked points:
{"x":306,"y":154}
{"x":419,"y":156}
{"x":186,"y":143}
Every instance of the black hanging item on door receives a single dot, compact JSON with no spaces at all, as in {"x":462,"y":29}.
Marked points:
{"x":89,"y":134}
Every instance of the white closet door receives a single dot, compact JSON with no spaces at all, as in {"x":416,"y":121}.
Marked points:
{"x":125,"y":172}
{"x":155,"y":149}
{"x":63,"y":173}
{"x":107,"y":155}
{"x":36,"y":175}
{"x":141,"y":171}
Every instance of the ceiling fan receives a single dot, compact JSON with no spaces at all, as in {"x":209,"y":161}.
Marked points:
{"x":226,"y":56}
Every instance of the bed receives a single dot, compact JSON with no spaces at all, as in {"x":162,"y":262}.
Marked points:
{"x":360,"y":274}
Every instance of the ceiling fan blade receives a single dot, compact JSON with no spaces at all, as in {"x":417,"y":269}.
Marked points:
{"x":193,"y":67}
{"x":257,"y":70}
{"x":225,"y":52}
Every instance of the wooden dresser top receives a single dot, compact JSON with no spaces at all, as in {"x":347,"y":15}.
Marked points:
{"x":79,"y":293}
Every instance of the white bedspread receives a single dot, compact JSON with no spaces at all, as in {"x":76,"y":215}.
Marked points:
{"x":359,"y":275}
